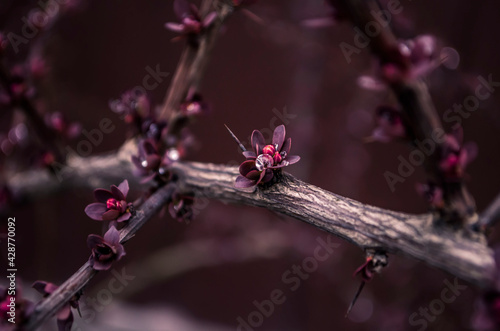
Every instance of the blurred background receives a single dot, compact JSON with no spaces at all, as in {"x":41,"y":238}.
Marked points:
{"x":208,"y":274}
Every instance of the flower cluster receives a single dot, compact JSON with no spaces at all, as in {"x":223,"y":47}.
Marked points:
{"x":262,"y":163}
{"x":105,"y":249}
{"x":194,"y":105}
{"x":150,"y":165}
{"x":59,"y":123}
{"x":413,"y":58}
{"x":111,"y":205}
{"x":64,"y":316}
{"x":135,"y":109}
{"x":455,"y":156}
{"x":191,"y":23}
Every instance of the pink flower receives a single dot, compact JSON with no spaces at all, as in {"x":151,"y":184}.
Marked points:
{"x":105,"y":250}
{"x":191,"y":24}
{"x":456,"y":155}
{"x":265,"y":160}
{"x":64,"y":316}
{"x":111,"y":204}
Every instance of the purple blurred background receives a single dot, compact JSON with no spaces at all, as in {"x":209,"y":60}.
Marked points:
{"x":205,"y":275}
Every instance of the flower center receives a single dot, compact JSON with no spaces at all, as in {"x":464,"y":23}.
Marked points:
{"x":263,"y":161}
{"x":113,"y":204}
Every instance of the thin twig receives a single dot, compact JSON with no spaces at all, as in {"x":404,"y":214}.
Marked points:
{"x":491,"y":215}
{"x":194,"y":61}
{"x":419,"y":114}
{"x":53,"y":303}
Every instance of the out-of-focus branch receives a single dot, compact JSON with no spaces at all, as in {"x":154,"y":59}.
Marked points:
{"x":194,"y":61}
{"x":78,"y":172}
{"x":491,"y":215}
{"x":419,"y":114}
{"x":46,"y":136}
{"x":53,"y":303}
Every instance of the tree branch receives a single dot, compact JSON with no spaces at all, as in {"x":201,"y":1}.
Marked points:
{"x":460,"y":253}
{"x":491,"y":215}
{"x":78,"y":172}
{"x":53,"y":303}
{"x":419,"y":114}
{"x":194,"y":61}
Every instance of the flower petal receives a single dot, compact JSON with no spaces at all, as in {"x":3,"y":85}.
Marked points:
{"x":279,"y":136}
{"x":149,"y":147}
{"x":136,"y":161}
{"x":262,"y":174}
{"x":124,"y":217}
{"x":246,"y":167}
{"x":175,"y":27}
{"x":243,"y":182}
{"x":269,"y":175}
{"x":117,"y":194}
{"x":209,"y":19}
{"x":120,"y":252}
{"x":292,"y":159}
{"x":112,"y":236}
{"x":102,"y":195}
{"x":287,"y":146}
{"x":257,"y":139}
{"x":44,"y":288}
{"x":148,"y":178}
{"x":96,"y":210}
{"x":124,"y":188}
{"x":64,"y":318}
{"x":110,"y":215}
{"x":468,"y":154}
{"x":153,"y":161}
{"x":93,"y":240}
{"x":253,"y":174}
{"x":102,"y":265}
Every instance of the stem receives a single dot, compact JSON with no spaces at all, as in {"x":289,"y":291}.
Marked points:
{"x":460,"y":252}
{"x":419,"y":114}
{"x":53,"y":303}
{"x":193,"y":63}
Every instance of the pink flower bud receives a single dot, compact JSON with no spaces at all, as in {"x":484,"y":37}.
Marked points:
{"x":277,"y":158}
{"x":269,"y":149}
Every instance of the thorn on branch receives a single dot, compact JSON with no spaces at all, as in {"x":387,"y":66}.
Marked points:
{"x":374,"y":263}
